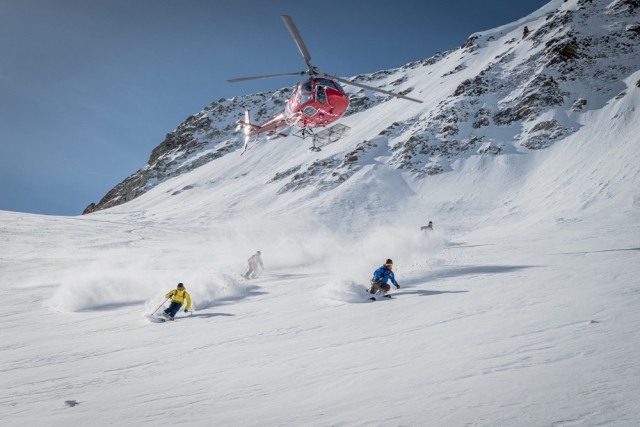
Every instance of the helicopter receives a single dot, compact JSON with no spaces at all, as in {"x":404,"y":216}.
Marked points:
{"x":317,"y":102}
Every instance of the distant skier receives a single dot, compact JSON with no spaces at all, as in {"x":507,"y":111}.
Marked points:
{"x":254,"y":261}
{"x":380,"y":278}
{"x":427,"y":228}
{"x":177,"y":296}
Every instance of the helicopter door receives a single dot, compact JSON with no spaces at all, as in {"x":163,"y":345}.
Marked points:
{"x":321,"y":94}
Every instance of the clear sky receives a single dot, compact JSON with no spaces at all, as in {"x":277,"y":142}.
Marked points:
{"x":88,"y":88}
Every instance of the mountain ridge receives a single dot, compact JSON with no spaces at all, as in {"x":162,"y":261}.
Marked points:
{"x":515,"y":88}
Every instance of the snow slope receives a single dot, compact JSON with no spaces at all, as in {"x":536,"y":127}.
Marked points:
{"x":520,"y":310}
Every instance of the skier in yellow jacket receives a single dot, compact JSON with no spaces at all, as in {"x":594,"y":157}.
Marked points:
{"x":177,"y":296}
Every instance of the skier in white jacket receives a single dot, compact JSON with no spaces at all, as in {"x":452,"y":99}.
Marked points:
{"x":254,"y":261}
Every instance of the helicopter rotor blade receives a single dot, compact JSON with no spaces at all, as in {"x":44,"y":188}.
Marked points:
{"x":298,"y":39}
{"x":270,"y":76}
{"x":349,"y":82}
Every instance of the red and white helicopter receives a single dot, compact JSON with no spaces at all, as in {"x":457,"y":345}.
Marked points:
{"x":318,"y":102}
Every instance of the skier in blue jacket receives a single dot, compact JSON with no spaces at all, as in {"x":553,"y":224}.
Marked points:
{"x":380,"y":278}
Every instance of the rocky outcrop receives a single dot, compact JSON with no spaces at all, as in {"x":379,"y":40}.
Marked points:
{"x":526,"y":97}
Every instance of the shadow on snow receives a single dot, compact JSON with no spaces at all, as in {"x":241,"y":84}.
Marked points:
{"x":113,"y":306}
{"x":210,"y":315}
{"x":425,"y":293}
{"x":468,"y":271}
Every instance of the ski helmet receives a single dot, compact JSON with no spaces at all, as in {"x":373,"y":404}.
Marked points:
{"x":389,"y":262}
{"x":180,"y":285}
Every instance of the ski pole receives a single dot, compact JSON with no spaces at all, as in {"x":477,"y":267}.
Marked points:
{"x":160,"y":306}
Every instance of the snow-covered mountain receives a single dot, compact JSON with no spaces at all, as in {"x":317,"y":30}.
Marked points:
{"x":516,"y":88}
{"x":519,"y":310}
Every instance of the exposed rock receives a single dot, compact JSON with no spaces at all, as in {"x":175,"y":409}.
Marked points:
{"x":525,"y":32}
{"x":432,"y":169}
{"x":185,"y":188}
{"x":398,"y":81}
{"x":378,"y":75}
{"x":89,"y":209}
{"x":472,"y":87}
{"x":481,"y":122}
{"x":449,"y":130}
{"x":537,"y":142}
{"x":455,"y":70}
{"x":425,"y":62}
{"x":282,"y":175}
{"x":624,"y":6}
{"x":470,"y":45}
{"x":543,"y":91}
{"x":315,"y":172}
{"x":543,"y":133}
{"x":563,"y":51}
{"x":578,"y":105}
{"x":638,"y":83}
{"x":546,"y":125}
{"x":488,"y":148}
{"x":359,"y":102}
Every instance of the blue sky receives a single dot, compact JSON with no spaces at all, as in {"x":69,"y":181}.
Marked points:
{"x":89,"y":88}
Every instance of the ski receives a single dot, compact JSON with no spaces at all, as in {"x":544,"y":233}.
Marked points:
{"x":156,"y":319}
{"x":375,"y":299}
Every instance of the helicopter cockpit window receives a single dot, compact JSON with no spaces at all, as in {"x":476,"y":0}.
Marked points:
{"x":337,"y":85}
{"x":305,"y":88}
{"x":330,"y":84}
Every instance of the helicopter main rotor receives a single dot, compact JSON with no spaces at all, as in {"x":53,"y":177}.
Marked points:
{"x":314,"y":71}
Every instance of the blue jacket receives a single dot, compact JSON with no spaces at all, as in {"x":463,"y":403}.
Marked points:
{"x":383,"y":274}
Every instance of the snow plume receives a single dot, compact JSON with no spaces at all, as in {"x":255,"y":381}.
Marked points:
{"x":109,"y":286}
{"x":207,"y":289}
{"x":356,"y":260}
{"x":353,"y":263}
{"x":344,"y":290}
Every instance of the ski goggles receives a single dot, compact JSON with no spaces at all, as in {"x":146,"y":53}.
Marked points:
{"x":389,"y":265}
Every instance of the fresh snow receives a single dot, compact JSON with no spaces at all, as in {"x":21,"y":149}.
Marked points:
{"x":520,"y":310}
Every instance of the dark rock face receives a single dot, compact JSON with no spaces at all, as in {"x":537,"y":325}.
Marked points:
{"x":578,"y":105}
{"x":542,"y":92}
{"x":89,"y":209}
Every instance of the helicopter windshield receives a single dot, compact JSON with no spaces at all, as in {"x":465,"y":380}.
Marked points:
{"x":330,"y":84}
{"x":305,"y":87}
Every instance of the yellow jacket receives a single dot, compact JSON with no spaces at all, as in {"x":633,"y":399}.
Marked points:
{"x":180,"y":296}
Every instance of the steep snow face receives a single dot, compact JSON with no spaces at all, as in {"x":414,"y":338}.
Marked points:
{"x":516,"y":88}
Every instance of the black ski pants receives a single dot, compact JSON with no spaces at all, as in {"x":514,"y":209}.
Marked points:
{"x":173,"y":308}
